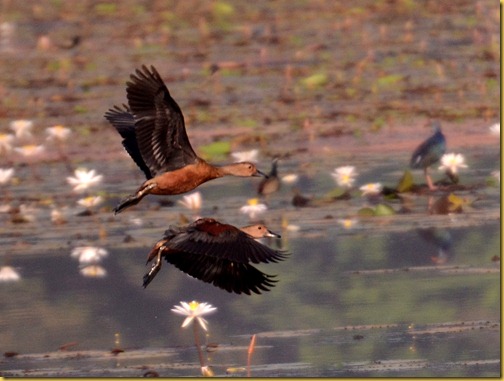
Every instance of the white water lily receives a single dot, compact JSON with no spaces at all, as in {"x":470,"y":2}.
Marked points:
{"x":90,"y":201}
{"x":89,"y":254}
{"x":192,"y":201}
{"x":253,"y":208}
{"x":371,"y":189}
{"x":495,"y":129}
{"x":22,"y":128}
{"x":6,"y":175}
{"x":27,"y":213}
{"x":84,"y":179}
{"x":250,"y":156}
{"x":194,"y":310}
{"x":30,"y":150}
{"x":496,"y":175}
{"x":59,"y":216}
{"x":93,"y":271}
{"x":344,"y":176}
{"x":452,"y":162}
{"x":347,"y":223}
{"x":290,"y":178}
{"x":58,"y":132}
{"x":9,"y":274}
{"x":6,"y":143}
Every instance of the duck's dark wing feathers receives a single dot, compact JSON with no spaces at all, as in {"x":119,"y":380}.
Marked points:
{"x":230,"y":244}
{"x":160,"y":128}
{"x":124,"y":123}
{"x":230,"y":276}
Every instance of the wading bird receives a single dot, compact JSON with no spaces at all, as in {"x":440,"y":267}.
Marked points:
{"x":429,"y":152}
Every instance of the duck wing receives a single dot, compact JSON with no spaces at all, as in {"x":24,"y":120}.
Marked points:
{"x":210,"y":238}
{"x":227,"y":275}
{"x":160,"y":129}
{"x":124,"y":123}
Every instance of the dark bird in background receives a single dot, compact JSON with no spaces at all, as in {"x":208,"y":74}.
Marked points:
{"x":270,"y":184}
{"x":298,"y":200}
{"x":154,"y":135}
{"x":429,"y":152}
{"x":217,"y":253}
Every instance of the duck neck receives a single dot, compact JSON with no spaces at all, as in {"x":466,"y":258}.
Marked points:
{"x":227,"y":170}
{"x":210,"y":171}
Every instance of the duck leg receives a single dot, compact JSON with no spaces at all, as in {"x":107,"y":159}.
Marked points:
{"x":134,"y":198}
{"x":154,"y":269}
{"x":429,"y":180}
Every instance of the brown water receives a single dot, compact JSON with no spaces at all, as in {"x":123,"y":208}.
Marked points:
{"x":406,"y":295}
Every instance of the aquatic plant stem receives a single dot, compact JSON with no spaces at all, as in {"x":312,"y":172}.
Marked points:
{"x":197,"y":344}
{"x":63,"y":156}
{"x":249,"y":353}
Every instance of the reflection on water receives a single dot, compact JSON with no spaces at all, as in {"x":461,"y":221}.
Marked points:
{"x":378,"y":296}
{"x":442,"y":239}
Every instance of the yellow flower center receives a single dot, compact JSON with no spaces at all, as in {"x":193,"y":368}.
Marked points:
{"x":253,"y":201}
{"x":347,"y":223}
{"x":30,"y":148}
{"x":193,"y":305}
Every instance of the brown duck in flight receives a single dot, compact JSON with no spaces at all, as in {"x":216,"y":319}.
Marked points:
{"x":154,"y":135}
{"x":217,"y":253}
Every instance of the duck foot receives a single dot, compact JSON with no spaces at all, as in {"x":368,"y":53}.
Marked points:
{"x":150,"y":275}
{"x":126,"y":203}
{"x":154,"y":270}
{"x":134,"y":198}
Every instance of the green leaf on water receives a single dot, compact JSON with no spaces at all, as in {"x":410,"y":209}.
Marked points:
{"x":384,"y":210}
{"x":216,"y":149}
{"x":491,"y":181}
{"x":456,"y":203}
{"x":315,"y":80}
{"x":450,"y":204}
{"x":406,"y":182}
{"x":80,"y":109}
{"x":106,"y":9}
{"x":337,"y":193}
{"x":389,"y":80}
{"x":222,"y":9}
{"x":366,"y":212}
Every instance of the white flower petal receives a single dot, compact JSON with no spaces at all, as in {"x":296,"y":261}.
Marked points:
{"x":187,"y":321}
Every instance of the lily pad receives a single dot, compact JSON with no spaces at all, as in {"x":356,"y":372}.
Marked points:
{"x":456,"y":203}
{"x":216,"y":149}
{"x":315,"y":80}
{"x":406,"y":182}
{"x":384,"y":210}
{"x":449,"y":204}
{"x":366,"y":212}
{"x":338,"y":194}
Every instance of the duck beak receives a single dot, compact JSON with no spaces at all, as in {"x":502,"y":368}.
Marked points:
{"x":273,"y":234}
{"x":259,"y":173}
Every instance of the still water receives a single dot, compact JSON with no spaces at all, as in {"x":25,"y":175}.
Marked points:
{"x":405,"y":295}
